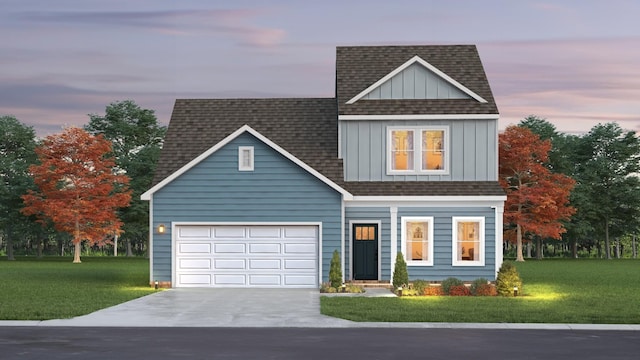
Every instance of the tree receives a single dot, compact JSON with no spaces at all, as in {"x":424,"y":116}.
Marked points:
{"x":335,"y":271}
{"x":400,"y":274}
{"x":537,"y":199}
{"x":608,"y":185}
{"x":17,"y":144}
{"x":77,"y":188}
{"x":137,"y":140}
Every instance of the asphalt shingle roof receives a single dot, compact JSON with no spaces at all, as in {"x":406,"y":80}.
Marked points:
{"x":358,"y":67}
{"x":308,"y":127}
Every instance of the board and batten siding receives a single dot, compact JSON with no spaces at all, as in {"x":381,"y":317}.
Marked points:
{"x":442,"y":247}
{"x":369,"y":215}
{"x":277,"y":191}
{"x":473,"y":150}
{"x":416,"y":82}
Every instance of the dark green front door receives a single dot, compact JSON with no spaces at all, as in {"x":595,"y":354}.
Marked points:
{"x":365,"y":252}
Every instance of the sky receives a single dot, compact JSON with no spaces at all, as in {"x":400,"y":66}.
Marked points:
{"x":574,"y":63}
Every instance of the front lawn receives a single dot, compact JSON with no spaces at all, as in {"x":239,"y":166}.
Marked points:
{"x":54,"y":288}
{"x":555,"y":291}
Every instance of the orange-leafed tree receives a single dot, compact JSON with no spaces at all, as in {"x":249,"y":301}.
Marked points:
{"x":537,"y":199}
{"x":78,"y":187}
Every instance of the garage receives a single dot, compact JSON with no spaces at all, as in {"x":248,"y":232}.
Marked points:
{"x":246,"y":256}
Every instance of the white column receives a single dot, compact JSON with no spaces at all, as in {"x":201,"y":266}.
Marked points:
{"x":393,"y":221}
{"x":499,"y":213}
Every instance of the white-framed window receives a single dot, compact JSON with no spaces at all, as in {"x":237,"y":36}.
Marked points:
{"x":414,"y":150}
{"x":245,"y":158}
{"x":468,"y":241}
{"x":417,"y":240}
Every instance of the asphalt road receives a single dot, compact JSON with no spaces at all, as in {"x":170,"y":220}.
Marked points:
{"x":318,"y":343}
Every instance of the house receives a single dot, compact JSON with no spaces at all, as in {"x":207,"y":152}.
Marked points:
{"x":261,"y":192}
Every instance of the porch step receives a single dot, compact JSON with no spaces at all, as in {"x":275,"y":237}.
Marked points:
{"x":371,"y":284}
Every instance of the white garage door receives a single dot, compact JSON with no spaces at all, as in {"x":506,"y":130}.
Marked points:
{"x":246,"y":256}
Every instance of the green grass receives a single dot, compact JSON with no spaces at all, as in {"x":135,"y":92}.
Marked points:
{"x":555,"y":291}
{"x":54,"y":288}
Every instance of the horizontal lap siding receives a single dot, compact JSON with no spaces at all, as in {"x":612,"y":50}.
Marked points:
{"x":373,"y":214}
{"x":215,"y":191}
{"x":442,"y":250}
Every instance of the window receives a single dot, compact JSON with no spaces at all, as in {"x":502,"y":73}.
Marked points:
{"x":419,"y":150}
{"x":468,"y":241}
{"x":245,"y":158}
{"x":417,"y":240}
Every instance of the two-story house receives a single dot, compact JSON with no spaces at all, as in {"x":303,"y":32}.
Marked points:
{"x":261,"y":192}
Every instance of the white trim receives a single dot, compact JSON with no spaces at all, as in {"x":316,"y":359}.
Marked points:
{"x":379,"y":240}
{"x":489,"y":200}
{"x":430,"y":239}
{"x":234,"y":223}
{"x":246,"y":128}
{"x":421,"y":117}
{"x":499,"y":213}
{"x":342,"y":241}
{"x":241,"y":165}
{"x":418,"y":150}
{"x":428,"y":66}
{"x":393,"y":222}
{"x":150,"y":244}
{"x":454,"y":241}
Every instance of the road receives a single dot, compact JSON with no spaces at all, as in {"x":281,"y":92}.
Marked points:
{"x":318,"y":343}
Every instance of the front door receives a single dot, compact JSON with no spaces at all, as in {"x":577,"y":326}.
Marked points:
{"x":365,"y":252}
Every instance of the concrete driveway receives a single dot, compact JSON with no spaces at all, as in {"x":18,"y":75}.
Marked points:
{"x":188,"y":307}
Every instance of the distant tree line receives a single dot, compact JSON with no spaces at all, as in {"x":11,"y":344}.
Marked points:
{"x":134,"y":142}
{"x":604,"y":199}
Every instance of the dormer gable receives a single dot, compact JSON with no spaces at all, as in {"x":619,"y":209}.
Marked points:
{"x":416,"y":79}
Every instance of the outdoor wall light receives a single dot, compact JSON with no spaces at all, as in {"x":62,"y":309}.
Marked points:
{"x":161,"y":229}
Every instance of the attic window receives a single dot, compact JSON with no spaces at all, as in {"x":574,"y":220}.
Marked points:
{"x":245,"y":158}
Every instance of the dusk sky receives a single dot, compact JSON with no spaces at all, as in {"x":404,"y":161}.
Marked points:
{"x":575,"y":63}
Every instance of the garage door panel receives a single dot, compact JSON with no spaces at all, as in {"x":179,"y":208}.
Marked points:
{"x":271,"y":264}
{"x":270,"y":232}
{"x":304,"y":232}
{"x":186,"y":232}
{"x":297,"y":248}
{"x":264,"y":248}
{"x":229,"y":248}
{"x":230,"y":279}
{"x":198,"y":264}
{"x":300,"y":264}
{"x":247,"y":256}
{"x":229,"y":232}
{"x":299,"y":280}
{"x":195,"y":248}
{"x":235,"y":264}
{"x":195,"y":279}
{"x":265,"y":280}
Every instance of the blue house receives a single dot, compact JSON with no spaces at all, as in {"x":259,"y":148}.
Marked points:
{"x":404,"y":159}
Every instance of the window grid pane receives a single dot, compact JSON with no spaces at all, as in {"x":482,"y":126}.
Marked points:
{"x":433,"y":150}
{"x":468,"y":241}
{"x":417,"y":241}
{"x":402,"y":150}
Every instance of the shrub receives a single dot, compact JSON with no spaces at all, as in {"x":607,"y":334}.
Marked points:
{"x":327,"y":288}
{"x":486,"y":290}
{"x":433,"y":291}
{"x":508,"y":278}
{"x":448,"y":283}
{"x":335,"y":271}
{"x":353,"y":289}
{"x":419,"y":286}
{"x":459,"y":290}
{"x":400,"y":274}
{"x":477,"y":283}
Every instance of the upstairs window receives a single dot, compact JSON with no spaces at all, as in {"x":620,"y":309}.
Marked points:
{"x":245,"y":158}
{"x":417,"y":150}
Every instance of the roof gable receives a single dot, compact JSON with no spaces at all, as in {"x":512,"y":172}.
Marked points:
{"x":244,"y":129}
{"x":416,"y":79}
{"x":360,"y":70}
